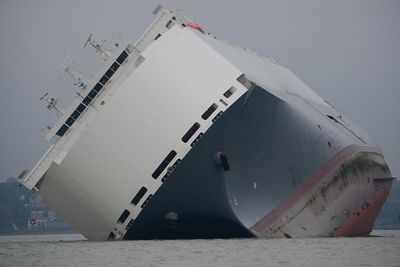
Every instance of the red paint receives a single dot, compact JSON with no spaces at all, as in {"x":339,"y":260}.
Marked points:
{"x":361,"y":223}
{"x":272,"y":220}
{"x":325,"y":171}
{"x":195,"y":26}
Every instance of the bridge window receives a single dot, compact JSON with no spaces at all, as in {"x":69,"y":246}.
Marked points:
{"x":109,"y":73}
{"x":104,"y":79}
{"x":62,"y":130}
{"x":122,"y":57}
{"x":75,"y":114}
{"x":69,"y":121}
{"x":81,"y":108}
{"x":98,"y":87}
{"x":114,"y":66}
{"x":92,"y":94}
{"x":87,"y":100}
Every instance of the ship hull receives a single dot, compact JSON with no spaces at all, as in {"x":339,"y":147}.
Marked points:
{"x":284,"y":179}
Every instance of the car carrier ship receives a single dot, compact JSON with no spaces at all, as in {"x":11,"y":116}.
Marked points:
{"x":185,"y":135}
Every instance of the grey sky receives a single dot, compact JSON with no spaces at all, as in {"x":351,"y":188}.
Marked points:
{"x":346,"y":51}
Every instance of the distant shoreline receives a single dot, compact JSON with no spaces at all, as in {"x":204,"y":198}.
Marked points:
{"x":63,"y":232}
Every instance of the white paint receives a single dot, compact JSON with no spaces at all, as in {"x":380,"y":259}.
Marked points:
{"x":111,"y":153}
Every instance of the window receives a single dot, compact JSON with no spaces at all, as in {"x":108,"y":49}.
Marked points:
{"x":114,"y":67}
{"x":81,"y":108}
{"x":122,"y":57}
{"x":217,"y":116}
{"x":62,"y":130}
{"x":104,"y":79}
{"x":197,"y":139}
{"x":209,"y":111}
{"x":169,"y":24}
{"x":139,"y":195}
{"x":75,"y":114}
{"x":146,"y":201}
{"x":246,"y":82}
{"x":98,"y":87}
{"x":109,"y":73}
{"x":92,"y":94}
{"x":170,"y":170}
{"x":191,"y":132}
{"x":223,"y":102}
{"x":171,"y":155}
{"x":87,"y":100}
{"x":69,"y":121}
{"x":157,"y":36}
{"x":229,"y":92}
{"x":124,"y":216}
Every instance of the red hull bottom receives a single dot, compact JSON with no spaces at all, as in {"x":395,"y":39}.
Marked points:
{"x":361,"y":222}
{"x":343,"y":198}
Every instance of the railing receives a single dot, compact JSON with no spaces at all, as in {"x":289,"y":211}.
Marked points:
{"x":33,"y":177}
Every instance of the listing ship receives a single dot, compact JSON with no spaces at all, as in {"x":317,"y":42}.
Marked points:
{"x":185,"y":135}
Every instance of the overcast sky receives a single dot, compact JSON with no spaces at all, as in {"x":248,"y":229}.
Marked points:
{"x":347,"y":51}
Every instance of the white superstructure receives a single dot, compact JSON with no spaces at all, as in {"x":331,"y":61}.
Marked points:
{"x":126,"y":130}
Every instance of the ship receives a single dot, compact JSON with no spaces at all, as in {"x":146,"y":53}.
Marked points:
{"x":183,"y":135}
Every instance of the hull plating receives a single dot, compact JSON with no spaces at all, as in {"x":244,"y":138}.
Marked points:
{"x":293,"y":173}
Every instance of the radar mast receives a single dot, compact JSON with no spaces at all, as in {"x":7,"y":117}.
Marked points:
{"x":97,"y":46}
{"x":51,"y":103}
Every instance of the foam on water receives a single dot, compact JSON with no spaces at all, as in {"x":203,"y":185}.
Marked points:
{"x":382,"y":249}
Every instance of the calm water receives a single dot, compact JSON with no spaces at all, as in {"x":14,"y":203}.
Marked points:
{"x":73,"y":250}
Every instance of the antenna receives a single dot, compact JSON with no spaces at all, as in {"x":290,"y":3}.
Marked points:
{"x":98,"y":47}
{"x":51,"y":103}
{"x":46,"y":94}
{"x":70,"y":75}
{"x":78,"y":79}
{"x":88,"y":40}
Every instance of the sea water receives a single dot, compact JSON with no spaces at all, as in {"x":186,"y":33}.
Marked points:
{"x":380,"y":249}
